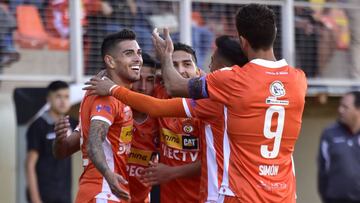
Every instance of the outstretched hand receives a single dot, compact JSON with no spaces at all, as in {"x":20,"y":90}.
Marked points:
{"x":162,"y":46}
{"x":99,"y":86}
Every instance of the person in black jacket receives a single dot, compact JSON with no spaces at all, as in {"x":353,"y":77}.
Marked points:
{"x":339,"y":154}
{"x":48,"y":179}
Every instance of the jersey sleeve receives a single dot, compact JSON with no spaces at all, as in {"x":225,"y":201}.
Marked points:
{"x":202,"y":108}
{"x":104,"y":109}
{"x":221,"y":84}
{"x":33,"y":136}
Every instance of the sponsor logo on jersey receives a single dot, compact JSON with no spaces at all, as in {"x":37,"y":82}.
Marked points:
{"x":127,"y":113}
{"x":140,"y":157}
{"x":126,"y":134}
{"x":268,"y":170}
{"x":179,"y":155}
{"x":277,"y":89}
{"x":134,"y":171}
{"x":101,"y":107}
{"x":178,"y":141}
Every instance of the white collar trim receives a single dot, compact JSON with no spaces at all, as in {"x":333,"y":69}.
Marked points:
{"x":270,"y":64}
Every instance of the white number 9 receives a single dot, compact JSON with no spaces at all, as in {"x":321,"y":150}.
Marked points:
{"x":270,"y":135}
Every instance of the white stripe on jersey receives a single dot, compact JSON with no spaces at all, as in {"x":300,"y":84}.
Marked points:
{"x":212,"y":168}
{"x":225,"y":189}
{"x":105,"y":190}
{"x":186,"y":108}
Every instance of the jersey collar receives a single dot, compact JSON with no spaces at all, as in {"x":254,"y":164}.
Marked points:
{"x":269,"y":64}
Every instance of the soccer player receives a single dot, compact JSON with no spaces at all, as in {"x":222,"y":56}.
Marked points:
{"x":145,"y":136}
{"x":264,"y":101}
{"x":178,"y":170}
{"x":227,"y":53}
{"x":107,"y":124}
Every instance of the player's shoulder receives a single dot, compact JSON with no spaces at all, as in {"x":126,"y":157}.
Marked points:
{"x":332,"y":130}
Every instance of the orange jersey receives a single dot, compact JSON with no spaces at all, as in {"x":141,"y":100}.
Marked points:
{"x":211,"y":113}
{"x":116,"y":146}
{"x":264,"y":102}
{"x":179,"y":145}
{"x":143,"y":149}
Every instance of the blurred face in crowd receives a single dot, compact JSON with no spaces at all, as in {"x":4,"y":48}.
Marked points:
{"x":184,"y":64}
{"x":146,"y":83}
{"x":126,"y":60}
{"x":348,"y":113}
{"x":59,"y":101}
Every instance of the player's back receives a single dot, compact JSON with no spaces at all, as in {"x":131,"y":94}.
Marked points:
{"x":116,"y":145}
{"x":264,"y":103}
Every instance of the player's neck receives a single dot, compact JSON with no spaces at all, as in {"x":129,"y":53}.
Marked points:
{"x":54,"y":115}
{"x":118,"y":80}
{"x":262,"y":54}
{"x":139,"y":117}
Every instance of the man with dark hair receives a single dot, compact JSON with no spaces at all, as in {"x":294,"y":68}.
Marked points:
{"x":258,"y":159}
{"x":107,"y":125}
{"x":338,"y":160}
{"x":206,"y":110}
{"x":48,"y":179}
{"x":227,"y":53}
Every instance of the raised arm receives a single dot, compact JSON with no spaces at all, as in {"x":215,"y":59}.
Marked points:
{"x":175,"y":84}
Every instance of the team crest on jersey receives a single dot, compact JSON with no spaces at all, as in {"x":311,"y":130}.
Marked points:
{"x":277,"y":89}
{"x":188,"y":129}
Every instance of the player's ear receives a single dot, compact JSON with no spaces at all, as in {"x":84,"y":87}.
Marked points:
{"x":244,"y":44}
{"x":110,"y":62}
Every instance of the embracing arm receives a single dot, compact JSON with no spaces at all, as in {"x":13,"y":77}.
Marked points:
{"x":150,"y":105}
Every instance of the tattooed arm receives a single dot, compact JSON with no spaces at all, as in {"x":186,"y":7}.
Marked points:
{"x":97,"y":135}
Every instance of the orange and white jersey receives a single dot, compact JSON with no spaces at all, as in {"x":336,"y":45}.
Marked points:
{"x":179,"y":145}
{"x":210,"y":112}
{"x":143,"y":150}
{"x":116,"y":146}
{"x":264,"y":102}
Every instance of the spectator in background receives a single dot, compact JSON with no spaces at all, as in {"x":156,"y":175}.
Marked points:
{"x":8,"y":53}
{"x":354,"y":19}
{"x":48,"y":179}
{"x":306,"y":41}
{"x":58,"y":18}
{"x":338,"y":161}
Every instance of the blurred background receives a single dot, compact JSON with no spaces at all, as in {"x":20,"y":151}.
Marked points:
{"x":46,"y":40}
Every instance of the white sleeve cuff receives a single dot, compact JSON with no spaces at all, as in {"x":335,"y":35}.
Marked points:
{"x":101,"y":118}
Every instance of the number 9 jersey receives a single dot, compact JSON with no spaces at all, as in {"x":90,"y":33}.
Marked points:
{"x":264,"y":103}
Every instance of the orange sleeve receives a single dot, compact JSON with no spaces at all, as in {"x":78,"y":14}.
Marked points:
{"x":220,"y":85}
{"x":152,"y":106}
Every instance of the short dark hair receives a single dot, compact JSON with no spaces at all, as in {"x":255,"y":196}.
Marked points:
{"x":111,"y":41}
{"x":229,"y":48}
{"x":256,"y":23}
{"x":57,"y":85}
{"x":150,"y":61}
{"x":356,"y":95}
{"x":178,"y":46}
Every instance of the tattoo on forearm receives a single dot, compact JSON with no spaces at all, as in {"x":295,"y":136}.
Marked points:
{"x":97,"y":135}
{"x":197,"y":88}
